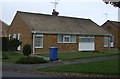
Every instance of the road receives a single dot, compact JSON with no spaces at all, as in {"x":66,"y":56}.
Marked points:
{"x":21,"y":74}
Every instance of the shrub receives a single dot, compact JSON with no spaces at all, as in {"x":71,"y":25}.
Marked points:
{"x":31,"y":60}
{"x":4,"y":43}
{"x":27,"y":50}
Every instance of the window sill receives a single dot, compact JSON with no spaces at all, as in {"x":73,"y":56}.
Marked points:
{"x":106,"y":46}
{"x":38,"y":47}
{"x":67,"y":42}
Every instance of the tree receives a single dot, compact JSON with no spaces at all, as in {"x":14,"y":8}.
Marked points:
{"x":115,"y":3}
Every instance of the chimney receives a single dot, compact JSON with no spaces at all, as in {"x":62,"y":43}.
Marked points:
{"x":54,"y":13}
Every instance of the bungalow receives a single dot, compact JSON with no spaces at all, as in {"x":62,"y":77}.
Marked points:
{"x":3,"y":29}
{"x":67,"y":33}
{"x":113,"y":27}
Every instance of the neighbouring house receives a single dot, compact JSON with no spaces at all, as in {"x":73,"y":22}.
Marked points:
{"x":67,"y":33}
{"x":3,"y":29}
{"x":113,"y":27}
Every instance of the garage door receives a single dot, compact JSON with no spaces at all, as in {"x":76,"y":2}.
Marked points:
{"x":86,"y":43}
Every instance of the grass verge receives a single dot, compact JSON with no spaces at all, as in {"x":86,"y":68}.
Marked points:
{"x":109,"y":67}
{"x":12,"y":56}
{"x":75,"y":55}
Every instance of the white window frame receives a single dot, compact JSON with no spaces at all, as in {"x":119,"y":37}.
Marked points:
{"x":9,"y":36}
{"x":19,"y":36}
{"x":14,"y":36}
{"x":66,"y":36}
{"x":42,"y":41}
{"x":87,"y":37}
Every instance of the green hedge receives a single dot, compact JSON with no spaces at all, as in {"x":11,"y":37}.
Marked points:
{"x":31,"y":60}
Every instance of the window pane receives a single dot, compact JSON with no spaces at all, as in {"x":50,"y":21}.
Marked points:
{"x":73,"y":38}
{"x":60,"y":38}
{"x":86,"y":39}
{"x":14,"y":36}
{"x":66,"y":39}
{"x":38,"y":41}
{"x":111,"y":39}
{"x":106,"y":41}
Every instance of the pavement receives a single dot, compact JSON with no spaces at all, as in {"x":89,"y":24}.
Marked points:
{"x":11,"y":69}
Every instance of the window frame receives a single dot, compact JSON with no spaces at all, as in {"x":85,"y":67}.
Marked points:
{"x":66,"y":36}
{"x":14,"y":36}
{"x":87,"y":37}
{"x":38,"y":35}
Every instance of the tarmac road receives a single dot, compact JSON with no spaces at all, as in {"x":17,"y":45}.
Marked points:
{"x":21,"y":74}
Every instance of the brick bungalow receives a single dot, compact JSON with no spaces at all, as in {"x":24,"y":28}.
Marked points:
{"x":113,"y":27}
{"x":3,"y":29}
{"x":67,"y":33}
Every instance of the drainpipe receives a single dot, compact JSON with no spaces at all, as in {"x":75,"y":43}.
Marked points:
{"x":109,"y":41}
{"x":33,"y":35}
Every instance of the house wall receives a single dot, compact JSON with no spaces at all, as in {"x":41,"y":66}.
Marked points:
{"x":18,"y":26}
{"x":99,"y":43}
{"x":3,"y":29}
{"x":50,"y":40}
{"x":114,"y":31}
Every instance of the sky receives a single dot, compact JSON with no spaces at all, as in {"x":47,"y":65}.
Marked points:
{"x":96,"y":10}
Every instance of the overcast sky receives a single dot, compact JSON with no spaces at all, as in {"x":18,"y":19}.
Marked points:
{"x":91,"y":9}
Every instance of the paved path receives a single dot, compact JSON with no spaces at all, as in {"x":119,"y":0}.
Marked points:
{"x":32,"y":67}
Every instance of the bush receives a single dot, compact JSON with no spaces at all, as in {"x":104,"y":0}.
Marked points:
{"x":9,"y":44}
{"x":5,"y":42}
{"x":13,"y":44}
{"x":27,"y":50}
{"x":31,"y":60}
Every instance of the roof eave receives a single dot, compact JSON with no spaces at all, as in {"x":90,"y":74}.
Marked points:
{"x":77,"y":33}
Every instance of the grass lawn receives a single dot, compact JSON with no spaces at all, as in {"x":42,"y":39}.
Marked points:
{"x":101,"y":67}
{"x":74,"y":55}
{"x":12,"y":56}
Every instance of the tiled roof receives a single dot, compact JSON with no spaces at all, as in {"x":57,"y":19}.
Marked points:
{"x":60,"y":24}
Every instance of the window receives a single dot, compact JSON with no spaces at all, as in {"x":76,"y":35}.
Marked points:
{"x":14,"y":36}
{"x":66,"y":38}
{"x":9,"y":36}
{"x":106,"y":41}
{"x":38,"y":41}
{"x":112,"y":39}
{"x":19,"y":36}
{"x":86,"y":38}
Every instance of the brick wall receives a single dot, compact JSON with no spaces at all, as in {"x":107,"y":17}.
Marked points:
{"x":99,"y":43}
{"x":18,"y":26}
{"x":50,"y":40}
{"x":113,"y":30}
